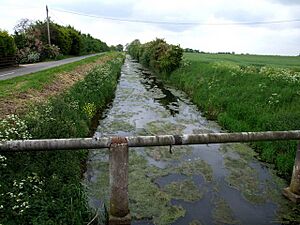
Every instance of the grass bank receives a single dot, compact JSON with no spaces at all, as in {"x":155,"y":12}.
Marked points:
{"x":45,"y":187}
{"x":18,"y":94}
{"x":243,"y":96}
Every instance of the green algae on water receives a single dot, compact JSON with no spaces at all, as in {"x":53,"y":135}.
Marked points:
{"x":244,"y":178}
{"x":146,"y":200}
{"x":222,"y":214}
{"x":243,"y":150}
{"x":184,"y":190}
{"x":197,"y":167}
{"x":164,"y":127}
{"x":195,"y":222}
{"x":119,"y":125}
{"x":163,"y":152}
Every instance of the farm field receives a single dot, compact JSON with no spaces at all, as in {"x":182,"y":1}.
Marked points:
{"x":256,"y":60}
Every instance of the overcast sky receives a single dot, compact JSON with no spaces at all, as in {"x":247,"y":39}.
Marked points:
{"x":280,"y":39}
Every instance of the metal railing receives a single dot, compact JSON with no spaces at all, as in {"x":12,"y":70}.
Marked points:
{"x":118,"y":157}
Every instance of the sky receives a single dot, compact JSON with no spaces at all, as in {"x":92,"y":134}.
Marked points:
{"x":215,"y":25}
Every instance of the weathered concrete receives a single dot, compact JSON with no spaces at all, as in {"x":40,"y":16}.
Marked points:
{"x":125,"y":220}
{"x":118,"y":178}
{"x":293,"y":191}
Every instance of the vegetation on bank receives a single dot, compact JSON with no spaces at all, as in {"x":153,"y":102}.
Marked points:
{"x":157,"y":55}
{"x":245,"y":97}
{"x":44,"y":187}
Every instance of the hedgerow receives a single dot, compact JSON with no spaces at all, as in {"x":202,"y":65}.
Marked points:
{"x":7,"y":44}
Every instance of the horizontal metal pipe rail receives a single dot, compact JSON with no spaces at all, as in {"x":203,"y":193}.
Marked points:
{"x":142,"y":141}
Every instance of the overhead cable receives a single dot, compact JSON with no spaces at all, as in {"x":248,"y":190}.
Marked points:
{"x":179,"y":23}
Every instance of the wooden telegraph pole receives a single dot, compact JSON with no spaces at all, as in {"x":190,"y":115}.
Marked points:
{"x":49,"y":42}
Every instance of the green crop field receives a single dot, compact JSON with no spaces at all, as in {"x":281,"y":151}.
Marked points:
{"x":254,"y":60}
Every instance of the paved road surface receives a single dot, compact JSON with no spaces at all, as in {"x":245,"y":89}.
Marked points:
{"x":8,"y":73}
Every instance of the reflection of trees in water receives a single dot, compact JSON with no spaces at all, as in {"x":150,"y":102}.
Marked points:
{"x":167,"y":100}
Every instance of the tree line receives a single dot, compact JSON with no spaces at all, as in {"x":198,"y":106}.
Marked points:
{"x":29,"y":43}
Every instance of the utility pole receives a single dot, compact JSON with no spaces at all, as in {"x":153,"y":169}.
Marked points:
{"x":49,"y":42}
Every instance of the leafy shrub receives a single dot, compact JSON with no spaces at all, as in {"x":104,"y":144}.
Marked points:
{"x":7,"y":44}
{"x":134,"y":49}
{"x":76,"y":45}
{"x":158,"y":55}
{"x":33,"y":57}
{"x":50,"y":52}
{"x":26,"y":55}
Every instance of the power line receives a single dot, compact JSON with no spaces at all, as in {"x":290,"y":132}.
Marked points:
{"x":179,"y":23}
{"x":54,"y":15}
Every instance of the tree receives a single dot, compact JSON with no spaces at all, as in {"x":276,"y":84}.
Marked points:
{"x":7,"y":44}
{"x":134,"y":48}
{"x":119,"y":48}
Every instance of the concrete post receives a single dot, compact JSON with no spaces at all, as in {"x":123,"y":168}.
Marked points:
{"x":293,"y":191}
{"x":118,"y":178}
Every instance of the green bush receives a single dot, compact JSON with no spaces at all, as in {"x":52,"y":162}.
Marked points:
{"x":92,"y":45}
{"x":133,"y":49}
{"x":50,"y":52}
{"x":63,"y":40}
{"x":26,"y":55}
{"x":158,"y":55}
{"x":7,"y":44}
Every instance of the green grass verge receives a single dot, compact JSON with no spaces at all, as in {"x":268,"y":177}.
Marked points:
{"x":246,"y":98}
{"x":45,"y":187}
{"x":38,"y":80}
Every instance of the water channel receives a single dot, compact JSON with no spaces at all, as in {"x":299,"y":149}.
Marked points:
{"x":200,"y":184}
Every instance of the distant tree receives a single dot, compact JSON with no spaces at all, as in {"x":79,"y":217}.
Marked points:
{"x":20,"y":31}
{"x":157,"y":55}
{"x":112,"y":48}
{"x":134,"y":48}
{"x":76,"y":41}
{"x":119,"y":48}
{"x":23,"y":25}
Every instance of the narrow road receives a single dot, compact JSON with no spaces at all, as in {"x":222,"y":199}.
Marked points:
{"x":21,"y":70}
